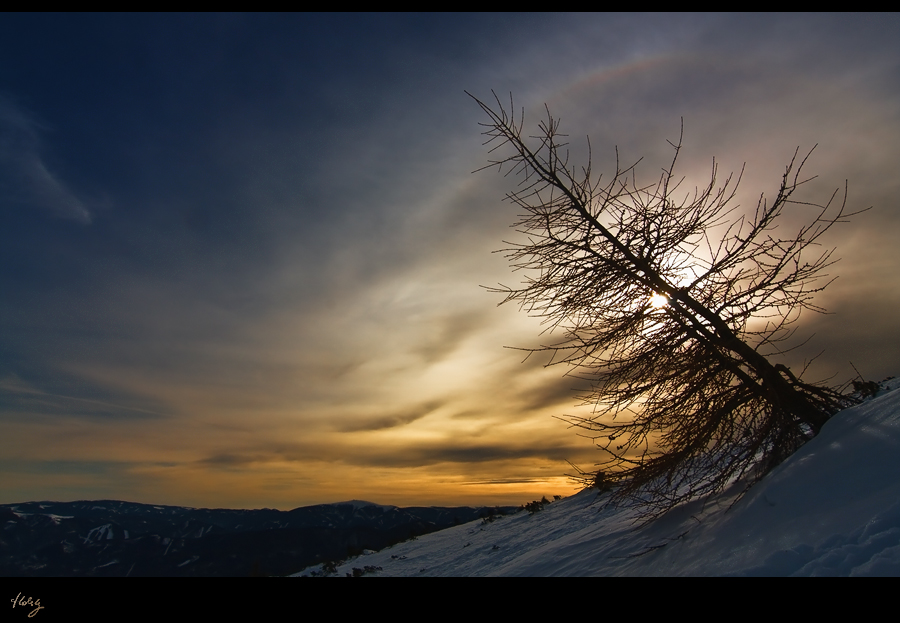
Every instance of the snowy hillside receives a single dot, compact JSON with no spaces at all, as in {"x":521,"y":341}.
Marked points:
{"x":833,"y":508}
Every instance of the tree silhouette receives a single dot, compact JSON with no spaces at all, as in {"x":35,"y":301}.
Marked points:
{"x":671,"y":304}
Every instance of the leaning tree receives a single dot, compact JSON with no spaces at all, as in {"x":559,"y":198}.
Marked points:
{"x":671,"y":303}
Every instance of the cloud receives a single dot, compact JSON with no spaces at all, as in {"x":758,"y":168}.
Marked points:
{"x":13,"y":384}
{"x":25,"y":178}
{"x":461,"y":452}
{"x":505,"y":481}
{"x":393,"y":420}
{"x":19,"y":398}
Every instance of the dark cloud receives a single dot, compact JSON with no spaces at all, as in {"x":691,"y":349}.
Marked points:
{"x":550,"y":392}
{"x":504,"y":481}
{"x":398,"y":455}
{"x":445,"y":333}
{"x":76,"y":468}
{"x":234,"y":460}
{"x":394,"y":420}
{"x":461,"y":453}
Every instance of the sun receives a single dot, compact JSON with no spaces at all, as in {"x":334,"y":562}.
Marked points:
{"x":658,"y":300}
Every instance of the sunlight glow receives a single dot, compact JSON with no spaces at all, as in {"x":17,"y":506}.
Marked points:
{"x":658,"y":300}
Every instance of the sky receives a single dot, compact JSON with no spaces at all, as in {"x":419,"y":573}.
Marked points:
{"x":242,"y":257}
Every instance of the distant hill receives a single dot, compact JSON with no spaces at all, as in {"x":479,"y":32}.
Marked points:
{"x":114,"y":538}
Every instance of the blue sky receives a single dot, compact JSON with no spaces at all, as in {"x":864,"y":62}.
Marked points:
{"x":240,"y":255}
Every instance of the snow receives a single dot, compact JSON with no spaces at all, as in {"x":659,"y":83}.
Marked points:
{"x":104,"y":531}
{"x":833,"y":508}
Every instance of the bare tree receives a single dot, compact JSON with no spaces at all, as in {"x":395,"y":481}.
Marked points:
{"x":671,"y":303}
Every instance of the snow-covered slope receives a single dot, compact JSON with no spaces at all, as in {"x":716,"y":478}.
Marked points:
{"x":833,"y":508}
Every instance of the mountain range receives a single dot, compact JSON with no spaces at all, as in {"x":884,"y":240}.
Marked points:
{"x":115,"y":538}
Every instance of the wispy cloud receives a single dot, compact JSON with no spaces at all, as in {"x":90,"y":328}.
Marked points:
{"x":21,"y":397}
{"x":392,"y":420}
{"x":25,"y":178}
